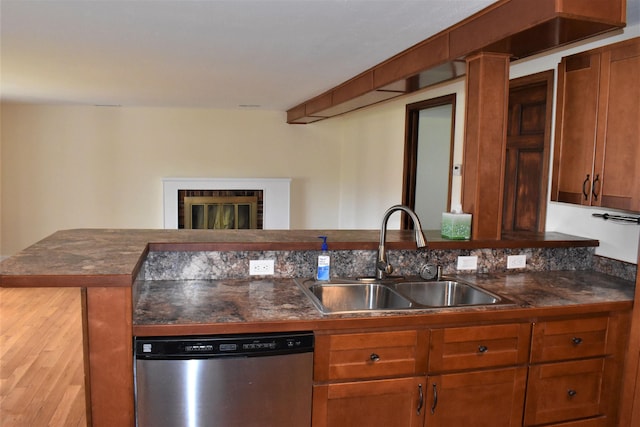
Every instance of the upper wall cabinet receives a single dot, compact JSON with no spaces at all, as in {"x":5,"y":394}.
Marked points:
{"x":597,"y":148}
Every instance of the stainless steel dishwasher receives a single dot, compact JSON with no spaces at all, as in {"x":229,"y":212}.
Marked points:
{"x":224,"y":381}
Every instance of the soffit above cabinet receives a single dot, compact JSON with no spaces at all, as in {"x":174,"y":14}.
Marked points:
{"x":515,"y":27}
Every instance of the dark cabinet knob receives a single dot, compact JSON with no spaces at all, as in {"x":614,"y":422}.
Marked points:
{"x":571,"y":392}
{"x":483,"y":349}
{"x":374,"y":357}
{"x":576,"y":340}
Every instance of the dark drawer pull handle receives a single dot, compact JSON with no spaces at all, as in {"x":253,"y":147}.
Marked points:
{"x":594,"y":187}
{"x":576,"y":340}
{"x":420,"y":399}
{"x":483,"y":349}
{"x":374,"y":357}
{"x":585,"y":187}
{"x":571,"y":392}
{"x":435,"y":398}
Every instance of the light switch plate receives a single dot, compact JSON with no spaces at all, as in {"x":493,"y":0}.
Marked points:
{"x":468,"y":262}
{"x":516,"y":261}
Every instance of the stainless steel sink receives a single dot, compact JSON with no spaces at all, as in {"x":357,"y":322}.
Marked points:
{"x":445,"y":293}
{"x":353,"y":296}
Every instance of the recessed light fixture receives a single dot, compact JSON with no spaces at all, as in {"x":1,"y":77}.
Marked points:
{"x":249,"y":106}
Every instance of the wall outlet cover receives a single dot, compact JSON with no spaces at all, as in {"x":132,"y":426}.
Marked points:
{"x":468,"y":262}
{"x":261,"y":267}
{"x":516,"y":261}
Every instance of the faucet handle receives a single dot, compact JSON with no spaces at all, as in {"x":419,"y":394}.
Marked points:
{"x":385,"y":267}
{"x":430,"y":271}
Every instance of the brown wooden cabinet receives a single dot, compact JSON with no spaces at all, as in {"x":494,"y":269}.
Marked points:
{"x":597,"y":143}
{"x":370,"y":379}
{"x":477,"y":375}
{"x":374,"y":403}
{"x":492,"y":398}
{"x":560,"y":371}
{"x":575,"y":370}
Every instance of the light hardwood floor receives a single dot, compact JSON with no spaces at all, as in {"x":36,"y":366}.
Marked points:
{"x":41,"y":365}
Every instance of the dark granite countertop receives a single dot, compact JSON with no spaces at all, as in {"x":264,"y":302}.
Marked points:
{"x":112,"y":257}
{"x":223,"y":303}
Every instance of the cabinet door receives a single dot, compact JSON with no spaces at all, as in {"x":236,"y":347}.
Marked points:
{"x":565,"y":391}
{"x":492,"y":398}
{"x":398,"y":402}
{"x":577,"y":108}
{"x":617,"y":166}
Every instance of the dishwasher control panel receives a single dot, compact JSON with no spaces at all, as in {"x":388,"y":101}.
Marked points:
{"x":223,"y":345}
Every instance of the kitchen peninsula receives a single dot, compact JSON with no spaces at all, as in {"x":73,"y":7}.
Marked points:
{"x":127,"y":292}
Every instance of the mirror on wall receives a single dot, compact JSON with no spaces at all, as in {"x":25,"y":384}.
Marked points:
{"x":428,"y":159}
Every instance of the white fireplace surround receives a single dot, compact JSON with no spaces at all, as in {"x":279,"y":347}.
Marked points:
{"x":275,"y":195}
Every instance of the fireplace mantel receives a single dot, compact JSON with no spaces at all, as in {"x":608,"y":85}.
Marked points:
{"x":276,"y":195}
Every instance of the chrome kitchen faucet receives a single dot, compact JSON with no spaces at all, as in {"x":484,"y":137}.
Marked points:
{"x":382,"y":265}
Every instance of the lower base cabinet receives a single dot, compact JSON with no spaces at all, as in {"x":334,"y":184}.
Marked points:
{"x":378,"y":403}
{"x":492,"y":398}
{"x":555,"y":372}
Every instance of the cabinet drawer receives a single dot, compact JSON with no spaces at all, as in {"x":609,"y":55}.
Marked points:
{"x":370,"y":355}
{"x":569,"y":339}
{"x":479,"y":347}
{"x":564,"y":391}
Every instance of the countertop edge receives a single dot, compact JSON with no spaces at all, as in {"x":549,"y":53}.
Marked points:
{"x":423,"y":320}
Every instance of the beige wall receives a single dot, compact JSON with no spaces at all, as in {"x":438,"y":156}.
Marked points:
{"x":72,"y":167}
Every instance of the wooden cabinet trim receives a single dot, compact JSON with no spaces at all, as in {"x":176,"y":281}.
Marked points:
{"x":512,"y":27}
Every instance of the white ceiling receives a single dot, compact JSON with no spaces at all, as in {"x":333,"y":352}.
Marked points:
{"x":273,"y":54}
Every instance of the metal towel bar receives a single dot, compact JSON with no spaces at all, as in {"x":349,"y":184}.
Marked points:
{"x":621,"y":218}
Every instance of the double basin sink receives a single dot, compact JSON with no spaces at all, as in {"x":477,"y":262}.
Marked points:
{"x":353,"y":296}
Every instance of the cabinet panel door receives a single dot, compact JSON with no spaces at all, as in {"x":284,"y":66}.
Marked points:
{"x":395,"y":402}
{"x":565,"y":391}
{"x":576,"y":128}
{"x":618,"y":142}
{"x":493,"y":398}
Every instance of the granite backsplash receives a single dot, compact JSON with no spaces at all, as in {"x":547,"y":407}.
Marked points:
{"x":214,"y":265}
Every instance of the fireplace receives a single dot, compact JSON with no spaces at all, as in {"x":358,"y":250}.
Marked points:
{"x":236,"y":203}
{"x":220,"y":209}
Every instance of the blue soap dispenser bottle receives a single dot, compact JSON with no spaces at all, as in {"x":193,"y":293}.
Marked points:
{"x":324,"y":261}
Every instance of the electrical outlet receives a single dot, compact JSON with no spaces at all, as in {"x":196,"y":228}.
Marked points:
{"x":261,"y":267}
{"x":516,"y":261}
{"x":468,"y":262}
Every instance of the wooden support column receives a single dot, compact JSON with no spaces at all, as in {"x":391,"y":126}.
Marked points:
{"x":108,"y":327}
{"x":487,"y":92}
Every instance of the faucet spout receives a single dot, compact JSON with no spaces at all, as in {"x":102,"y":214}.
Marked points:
{"x":383,"y":268}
